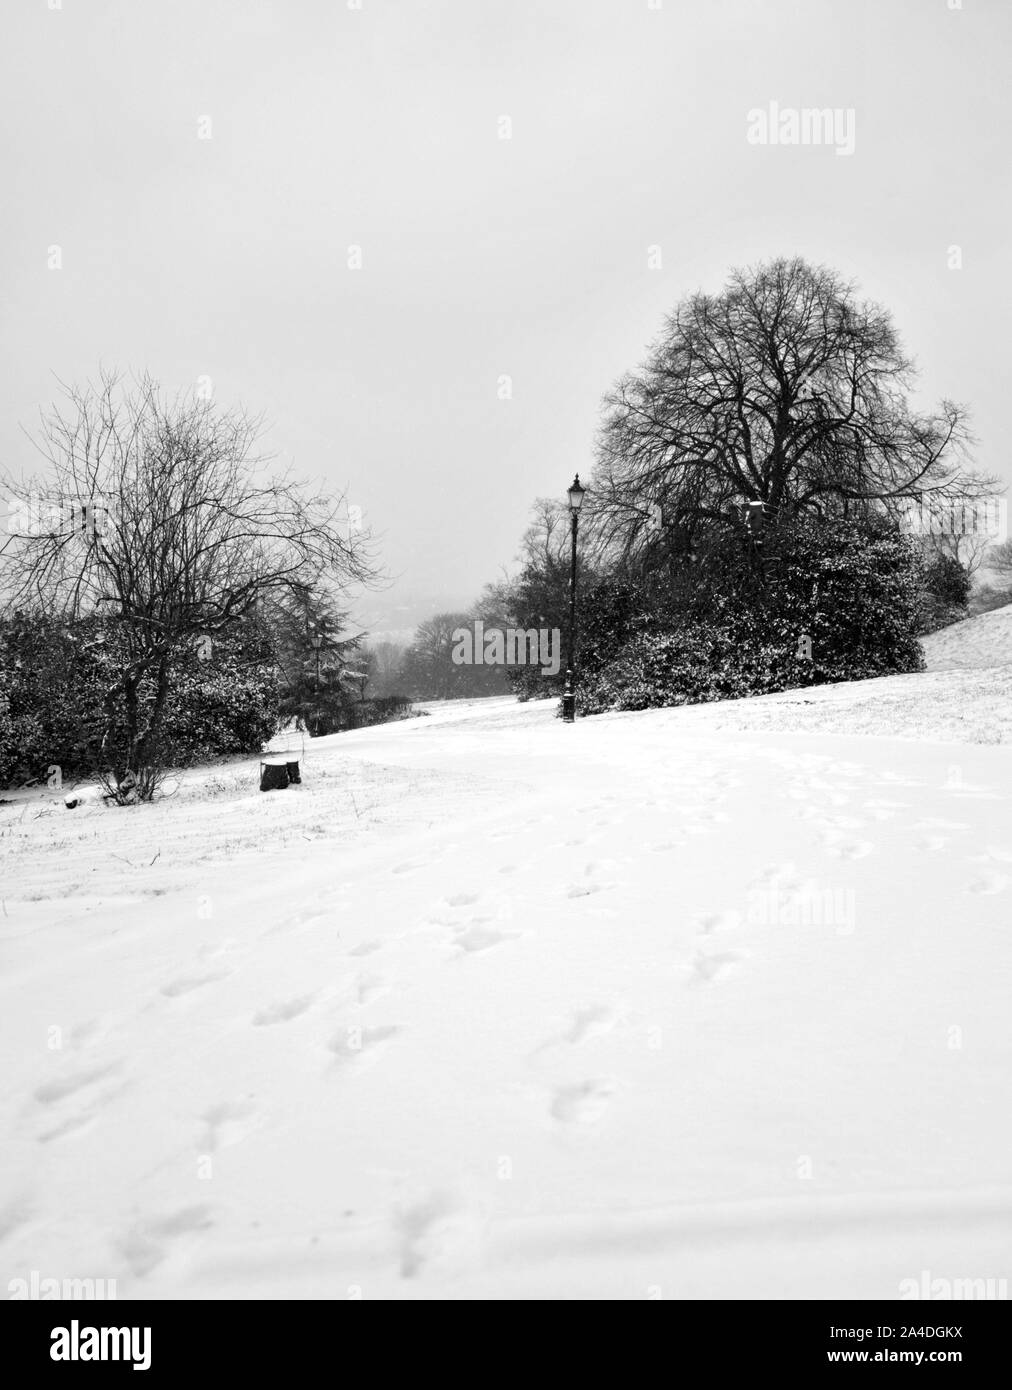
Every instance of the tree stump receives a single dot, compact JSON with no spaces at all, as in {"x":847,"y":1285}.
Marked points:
{"x":273,"y":774}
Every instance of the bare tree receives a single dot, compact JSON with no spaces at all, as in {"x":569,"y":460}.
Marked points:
{"x":160,"y":516}
{"x":784,"y":389}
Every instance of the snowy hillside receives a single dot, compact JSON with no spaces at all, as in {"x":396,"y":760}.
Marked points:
{"x":983,"y":641}
{"x":702,"y":1002}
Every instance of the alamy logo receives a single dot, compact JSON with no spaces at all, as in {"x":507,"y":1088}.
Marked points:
{"x":986,"y":517}
{"x":77,"y":1343}
{"x":806,"y":907}
{"x":39,"y":514}
{"x":809,"y":125}
{"x":509,"y":646}
{"x":35,"y":1286}
{"x":963,"y":1289}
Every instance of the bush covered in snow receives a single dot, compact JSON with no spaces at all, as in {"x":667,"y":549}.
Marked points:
{"x":820,"y":602}
{"x":55,"y":679}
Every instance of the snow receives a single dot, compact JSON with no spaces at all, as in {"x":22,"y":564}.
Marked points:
{"x":983,"y":641}
{"x":705,"y":1002}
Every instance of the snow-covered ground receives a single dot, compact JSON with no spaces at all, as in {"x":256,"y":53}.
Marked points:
{"x":708,"y":1002}
{"x":983,"y":641}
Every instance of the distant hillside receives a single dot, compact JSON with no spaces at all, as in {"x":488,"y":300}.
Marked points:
{"x":975,"y":642}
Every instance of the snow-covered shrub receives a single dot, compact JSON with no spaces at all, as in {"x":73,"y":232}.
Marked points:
{"x":824,"y":602}
{"x":55,"y":704}
{"x":946,"y":592}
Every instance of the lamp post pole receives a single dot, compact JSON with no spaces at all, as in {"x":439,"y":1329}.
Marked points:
{"x":317,"y":642}
{"x":576,"y":492}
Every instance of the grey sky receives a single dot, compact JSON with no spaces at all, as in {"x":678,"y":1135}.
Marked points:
{"x":482,"y":257}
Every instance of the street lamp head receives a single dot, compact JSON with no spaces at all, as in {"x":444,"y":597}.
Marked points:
{"x":316,"y":641}
{"x":576,"y":492}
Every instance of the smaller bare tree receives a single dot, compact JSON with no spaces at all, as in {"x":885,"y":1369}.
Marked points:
{"x":161,"y":516}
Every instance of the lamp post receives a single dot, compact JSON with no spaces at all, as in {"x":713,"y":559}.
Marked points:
{"x":576,"y":492}
{"x":316,"y":641}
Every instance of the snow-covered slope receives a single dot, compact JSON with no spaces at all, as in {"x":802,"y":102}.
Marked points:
{"x":983,"y":641}
{"x":654,"y":1005}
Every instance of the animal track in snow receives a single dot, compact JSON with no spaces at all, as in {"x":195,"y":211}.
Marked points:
{"x":583,"y":890}
{"x":462,"y":899}
{"x":366,"y":948}
{"x":282,"y":1012}
{"x":584,"y":1103}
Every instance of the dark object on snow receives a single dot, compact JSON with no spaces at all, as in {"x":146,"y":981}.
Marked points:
{"x":273,"y":774}
{"x":71,"y":802}
{"x":293,"y":771}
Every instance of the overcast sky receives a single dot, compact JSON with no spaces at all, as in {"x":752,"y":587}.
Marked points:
{"x":481,"y":257}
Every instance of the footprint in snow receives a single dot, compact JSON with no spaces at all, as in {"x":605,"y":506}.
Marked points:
{"x":355,"y":1042}
{"x":719,"y":921}
{"x":68,"y":1126}
{"x":283,"y":1012}
{"x":931,"y":843}
{"x":147,"y":1243}
{"x":582,"y":1104}
{"x":988,"y":884}
{"x":583,"y":890}
{"x":849,"y":849}
{"x":782,"y":876}
{"x":706,"y":967}
{"x":439,"y":1230}
{"x":481,"y":938}
{"x":462,"y":899}
{"x":54,"y":1091}
{"x":224,"y":1124}
{"x":885,"y":810}
{"x":593,"y":1021}
{"x":188,"y":983}
{"x":371,"y":987}
{"x":366,"y":948}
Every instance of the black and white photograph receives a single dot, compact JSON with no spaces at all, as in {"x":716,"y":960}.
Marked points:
{"x":505,"y":664}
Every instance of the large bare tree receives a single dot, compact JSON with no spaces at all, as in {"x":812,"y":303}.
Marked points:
{"x":160,"y":516}
{"x":784,"y":389}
